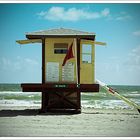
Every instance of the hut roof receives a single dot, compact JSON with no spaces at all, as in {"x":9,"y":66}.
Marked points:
{"x":59,"y":32}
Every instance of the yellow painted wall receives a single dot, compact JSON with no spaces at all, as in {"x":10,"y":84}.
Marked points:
{"x":87,"y":70}
{"x":51,"y":57}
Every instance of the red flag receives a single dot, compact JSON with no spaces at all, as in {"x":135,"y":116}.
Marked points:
{"x":69,"y":55}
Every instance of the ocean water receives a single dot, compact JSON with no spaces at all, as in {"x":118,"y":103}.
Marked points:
{"x":12,"y":95}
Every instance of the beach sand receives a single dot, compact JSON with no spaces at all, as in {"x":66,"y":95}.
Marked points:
{"x":25,"y":121}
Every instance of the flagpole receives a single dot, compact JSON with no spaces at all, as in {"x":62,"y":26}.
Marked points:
{"x":115,"y":93}
{"x":75,"y":46}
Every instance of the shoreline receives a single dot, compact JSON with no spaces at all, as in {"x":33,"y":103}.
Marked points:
{"x":25,"y":121}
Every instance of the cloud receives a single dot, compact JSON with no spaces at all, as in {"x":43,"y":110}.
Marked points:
{"x":105,"y":12}
{"x":134,"y":57}
{"x":30,"y":61}
{"x":19,"y":69}
{"x":131,"y":66}
{"x":136,"y":33}
{"x":17,"y":64}
{"x":126,"y":17}
{"x":71,"y":14}
{"x":120,"y":70}
{"x":122,"y":16}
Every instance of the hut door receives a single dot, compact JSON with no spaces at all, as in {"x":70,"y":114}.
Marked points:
{"x":86,"y":62}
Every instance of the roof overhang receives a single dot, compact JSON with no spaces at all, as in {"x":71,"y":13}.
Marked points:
{"x":95,"y":42}
{"x":90,"y":37}
{"x":28,"y":41}
{"x":99,"y":43}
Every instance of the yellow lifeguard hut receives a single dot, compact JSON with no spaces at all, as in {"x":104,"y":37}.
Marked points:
{"x":68,"y":68}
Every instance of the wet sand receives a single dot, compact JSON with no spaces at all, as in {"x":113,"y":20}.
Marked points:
{"x":26,"y":121}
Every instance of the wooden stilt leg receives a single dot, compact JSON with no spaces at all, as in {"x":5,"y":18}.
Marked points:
{"x":44,"y":102}
{"x":78,"y":110}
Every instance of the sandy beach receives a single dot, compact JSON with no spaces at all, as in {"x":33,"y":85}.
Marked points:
{"x":25,"y":121}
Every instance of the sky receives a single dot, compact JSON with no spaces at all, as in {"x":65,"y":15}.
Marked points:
{"x":116,"y":24}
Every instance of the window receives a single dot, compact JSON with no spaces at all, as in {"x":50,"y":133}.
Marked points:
{"x":86,"y":53}
{"x":60,"y":48}
{"x":86,"y":48}
{"x":86,"y":58}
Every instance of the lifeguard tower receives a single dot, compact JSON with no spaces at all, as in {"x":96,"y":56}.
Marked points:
{"x":68,"y":68}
